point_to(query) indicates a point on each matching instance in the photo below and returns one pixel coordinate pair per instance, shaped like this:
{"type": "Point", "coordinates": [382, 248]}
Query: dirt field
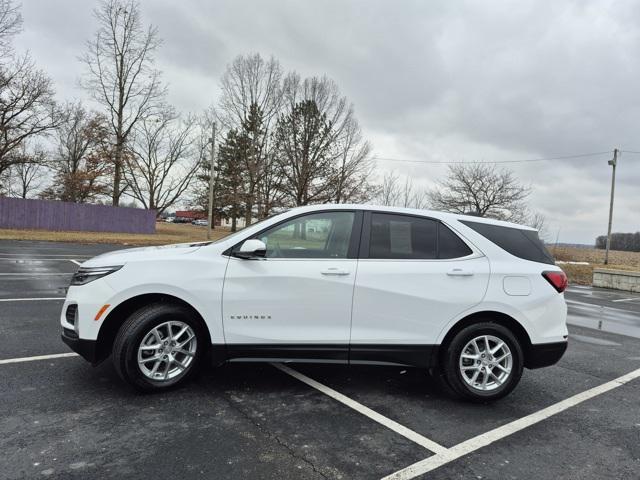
{"type": "Point", "coordinates": [583, 274]}
{"type": "Point", "coordinates": [165, 233]}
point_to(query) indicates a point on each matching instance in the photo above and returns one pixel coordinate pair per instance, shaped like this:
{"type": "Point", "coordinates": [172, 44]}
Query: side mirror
{"type": "Point", "coordinates": [252, 249]}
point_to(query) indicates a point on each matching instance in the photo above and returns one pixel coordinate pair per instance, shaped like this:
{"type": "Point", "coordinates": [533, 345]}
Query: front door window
{"type": "Point", "coordinates": [319, 235]}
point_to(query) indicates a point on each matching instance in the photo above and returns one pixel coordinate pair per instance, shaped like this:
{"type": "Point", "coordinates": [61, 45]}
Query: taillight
{"type": "Point", "coordinates": [558, 280]}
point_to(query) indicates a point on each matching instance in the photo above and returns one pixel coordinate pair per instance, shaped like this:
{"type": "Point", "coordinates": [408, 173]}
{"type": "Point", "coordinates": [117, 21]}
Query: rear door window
{"type": "Point", "coordinates": [521, 243]}
{"type": "Point", "coordinates": [413, 238]}
{"type": "Point", "coordinates": [450, 245]}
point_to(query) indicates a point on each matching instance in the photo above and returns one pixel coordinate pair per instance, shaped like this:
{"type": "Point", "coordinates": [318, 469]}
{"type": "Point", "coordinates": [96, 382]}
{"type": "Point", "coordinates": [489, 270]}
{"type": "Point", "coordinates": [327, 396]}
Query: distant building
{"type": "Point", "coordinates": [191, 214]}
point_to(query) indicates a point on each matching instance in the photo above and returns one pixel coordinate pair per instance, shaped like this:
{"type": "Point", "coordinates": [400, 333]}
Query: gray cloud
{"type": "Point", "coordinates": [430, 80]}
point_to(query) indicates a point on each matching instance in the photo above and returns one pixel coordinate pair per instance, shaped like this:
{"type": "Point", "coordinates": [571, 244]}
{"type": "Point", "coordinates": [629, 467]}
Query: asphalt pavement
{"type": "Point", "coordinates": [62, 418]}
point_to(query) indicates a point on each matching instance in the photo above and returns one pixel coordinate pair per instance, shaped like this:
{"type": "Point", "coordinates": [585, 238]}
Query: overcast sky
{"type": "Point", "coordinates": [430, 81]}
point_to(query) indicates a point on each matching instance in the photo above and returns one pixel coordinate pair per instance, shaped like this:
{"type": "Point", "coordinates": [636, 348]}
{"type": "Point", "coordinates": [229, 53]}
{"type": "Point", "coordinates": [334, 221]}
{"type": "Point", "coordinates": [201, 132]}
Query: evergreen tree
{"type": "Point", "coordinates": [231, 176]}
{"type": "Point", "coordinates": [303, 138]}
{"type": "Point", "coordinates": [253, 161]}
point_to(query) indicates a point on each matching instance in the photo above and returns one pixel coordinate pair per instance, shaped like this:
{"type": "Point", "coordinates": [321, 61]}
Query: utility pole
{"type": "Point", "coordinates": [211, 174]}
{"type": "Point", "coordinates": [613, 164]}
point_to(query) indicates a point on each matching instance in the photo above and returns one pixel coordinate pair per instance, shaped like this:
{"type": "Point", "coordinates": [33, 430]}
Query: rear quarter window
{"type": "Point", "coordinates": [521, 243]}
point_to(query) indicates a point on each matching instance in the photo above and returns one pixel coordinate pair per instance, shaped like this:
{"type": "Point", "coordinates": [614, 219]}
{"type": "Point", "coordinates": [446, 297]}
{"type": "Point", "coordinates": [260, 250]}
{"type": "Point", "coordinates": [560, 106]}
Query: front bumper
{"type": "Point", "coordinates": [545, 354]}
{"type": "Point", "coordinates": [86, 348]}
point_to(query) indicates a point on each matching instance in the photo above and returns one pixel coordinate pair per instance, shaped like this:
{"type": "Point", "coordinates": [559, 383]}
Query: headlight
{"type": "Point", "coordinates": [85, 275]}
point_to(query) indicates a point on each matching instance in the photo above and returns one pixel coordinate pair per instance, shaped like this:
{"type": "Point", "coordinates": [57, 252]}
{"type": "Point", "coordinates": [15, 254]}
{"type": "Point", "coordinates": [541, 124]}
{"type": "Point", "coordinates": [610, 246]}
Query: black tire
{"type": "Point", "coordinates": [132, 333]}
{"type": "Point", "coordinates": [451, 362]}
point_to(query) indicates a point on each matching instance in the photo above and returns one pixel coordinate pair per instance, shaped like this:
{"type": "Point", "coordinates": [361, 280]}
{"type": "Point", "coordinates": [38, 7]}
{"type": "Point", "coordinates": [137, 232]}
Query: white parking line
{"type": "Point", "coordinates": [634, 299]}
{"type": "Point", "coordinates": [366, 411]}
{"type": "Point", "coordinates": [39, 357]}
{"type": "Point", "coordinates": [75, 261]}
{"type": "Point", "coordinates": [35, 260]}
{"type": "Point", "coordinates": [36, 255]}
{"type": "Point", "coordinates": [475, 443]}
{"type": "Point", "coordinates": [23, 274]}
{"type": "Point", "coordinates": [40, 299]}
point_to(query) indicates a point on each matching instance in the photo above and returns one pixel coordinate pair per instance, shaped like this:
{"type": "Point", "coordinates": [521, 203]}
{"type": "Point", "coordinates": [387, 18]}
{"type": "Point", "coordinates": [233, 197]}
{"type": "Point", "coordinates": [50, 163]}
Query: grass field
{"type": "Point", "coordinates": [583, 274]}
{"type": "Point", "coordinates": [165, 233]}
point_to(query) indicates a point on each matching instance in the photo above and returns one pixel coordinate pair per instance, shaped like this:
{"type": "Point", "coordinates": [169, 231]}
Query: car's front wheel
{"type": "Point", "coordinates": [159, 347]}
{"type": "Point", "coordinates": [483, 362]}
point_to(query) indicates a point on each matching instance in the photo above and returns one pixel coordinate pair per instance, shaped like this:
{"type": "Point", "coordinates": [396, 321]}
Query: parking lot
{"type": "Point", "coordinates": [62, 418]}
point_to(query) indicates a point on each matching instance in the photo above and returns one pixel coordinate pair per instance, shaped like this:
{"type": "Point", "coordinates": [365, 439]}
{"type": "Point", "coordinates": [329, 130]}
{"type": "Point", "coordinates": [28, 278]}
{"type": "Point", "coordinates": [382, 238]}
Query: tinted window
{"type": "Point", "coordinates": [319, 235]}
{"type": "Point", "coordinates": [450, 245]}
{"type": "Point", "coordinates": [524, 244]}
{"type": "Point", "coordinates": [400, 237]}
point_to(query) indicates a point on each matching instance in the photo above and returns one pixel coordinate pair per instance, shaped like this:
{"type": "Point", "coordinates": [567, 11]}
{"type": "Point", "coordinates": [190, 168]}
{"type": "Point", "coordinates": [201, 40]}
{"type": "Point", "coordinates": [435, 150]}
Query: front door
{"type": "Point", "coordinates": [296, 302]}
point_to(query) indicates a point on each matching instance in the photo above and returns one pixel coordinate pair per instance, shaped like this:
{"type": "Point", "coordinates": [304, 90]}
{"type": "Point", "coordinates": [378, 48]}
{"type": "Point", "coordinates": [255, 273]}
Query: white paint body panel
{"type": "Point", "coordinates": [294, 300]}
{"type": "Point", "coordinates": [410, 301]}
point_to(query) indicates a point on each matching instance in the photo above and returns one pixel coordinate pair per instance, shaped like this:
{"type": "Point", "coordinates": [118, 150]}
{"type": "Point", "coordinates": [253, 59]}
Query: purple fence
{"type": "Point", "coordinates": [52, 215]}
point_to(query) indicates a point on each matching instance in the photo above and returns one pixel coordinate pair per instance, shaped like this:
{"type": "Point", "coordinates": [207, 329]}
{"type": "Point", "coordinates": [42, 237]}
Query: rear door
{"type": "Point", "coordinates": [414, 275]}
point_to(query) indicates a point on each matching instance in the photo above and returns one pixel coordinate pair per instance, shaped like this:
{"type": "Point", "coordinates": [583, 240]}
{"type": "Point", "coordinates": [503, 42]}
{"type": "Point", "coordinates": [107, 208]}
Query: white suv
{"type": "Point", "coordinates": [471, 298]}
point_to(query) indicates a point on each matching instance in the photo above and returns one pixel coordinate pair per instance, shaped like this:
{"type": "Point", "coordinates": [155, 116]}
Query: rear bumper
{"type": "Point", "coordinates": [545, 354]}
{"type": "Point", "coordinates": [85, 348]}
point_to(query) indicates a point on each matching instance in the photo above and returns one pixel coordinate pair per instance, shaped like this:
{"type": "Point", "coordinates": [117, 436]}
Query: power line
{"type": "Point", "coordinates": [447, 162]}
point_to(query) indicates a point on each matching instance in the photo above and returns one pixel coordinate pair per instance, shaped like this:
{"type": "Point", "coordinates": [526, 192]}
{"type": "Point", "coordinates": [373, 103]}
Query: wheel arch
{"type": "Point", "coordinates": [499, 318]}
{"type": "Point", "coordinates": [118, 315]}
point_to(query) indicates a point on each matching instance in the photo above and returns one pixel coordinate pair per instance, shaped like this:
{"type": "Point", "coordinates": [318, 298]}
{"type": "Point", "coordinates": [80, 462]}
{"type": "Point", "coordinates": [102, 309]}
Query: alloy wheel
{"type": "Point", "coordinates": [167, 351]}
{"type": "Point", "coordinates": [485, 363]}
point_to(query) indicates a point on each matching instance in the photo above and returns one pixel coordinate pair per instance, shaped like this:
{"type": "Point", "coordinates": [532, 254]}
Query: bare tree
{"type": "Point", "coordinates": [482, 190]}
{"type": "Point", "coordinates": [320, 149]}
{"type": "Point", "coordinates": [250, 81]}
{"type": "Point", "coordinates": [251, 100]}
{"type": "Point", "coordinates": [389, 192]}
{"type": "Point", "coordinates": [407, 193]}
{"type": "Point", "coordinates": [394, 192]}
{"type": "Point", "coordinates": [27, 175]}
{"type": "Point", "coordinates": [27, 107]}
{"type": "Point", "coordinates": [121, 75]}
{"type": "Point", "coordinates": [412, 196]}
{"type": "Point", "coordinates": [10, 25]}
{"type": "Point", "coordinates": [82, 161]}
{"type": "Point", "coordinates": [538, 221]}
{"type": "Point", "coordinates": [354, 166]}
{"type": "Point", "coordinates": [163, 161]}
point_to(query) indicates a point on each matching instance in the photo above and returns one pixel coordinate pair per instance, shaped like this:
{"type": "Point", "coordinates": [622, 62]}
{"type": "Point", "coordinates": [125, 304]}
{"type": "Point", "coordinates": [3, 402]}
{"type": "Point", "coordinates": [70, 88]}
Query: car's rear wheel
{"type": "Point", "coordinates": [159, 346]}
{"type": "Point", "coordinates": [483, 362]}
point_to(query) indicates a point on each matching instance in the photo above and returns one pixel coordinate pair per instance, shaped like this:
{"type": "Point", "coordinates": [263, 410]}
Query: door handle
{"type": "Point", "coordinates": [459, 272]}
{"type": "Point", "coordinates": [334, 271]}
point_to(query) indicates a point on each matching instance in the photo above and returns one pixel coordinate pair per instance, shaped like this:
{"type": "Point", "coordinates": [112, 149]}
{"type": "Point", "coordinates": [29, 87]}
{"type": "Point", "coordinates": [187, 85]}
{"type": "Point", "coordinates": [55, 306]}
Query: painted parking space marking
{"type": "Point", "coordinates": [634, 299]}
{"type": "Point", "coordinates": [75, 261]}
{"type": "Point", "coordinates": [36, 255]}
{"type": "Point", "coordinates": [28, 274]}
{"type": "Point", "coordinates": [34, 299]}
{"type": "Point", "coordinates": [36, 358]}
{"type": "Point", "coordinates": [482, 440]}
{"type": "Point", "coordinates": [366, 411]}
